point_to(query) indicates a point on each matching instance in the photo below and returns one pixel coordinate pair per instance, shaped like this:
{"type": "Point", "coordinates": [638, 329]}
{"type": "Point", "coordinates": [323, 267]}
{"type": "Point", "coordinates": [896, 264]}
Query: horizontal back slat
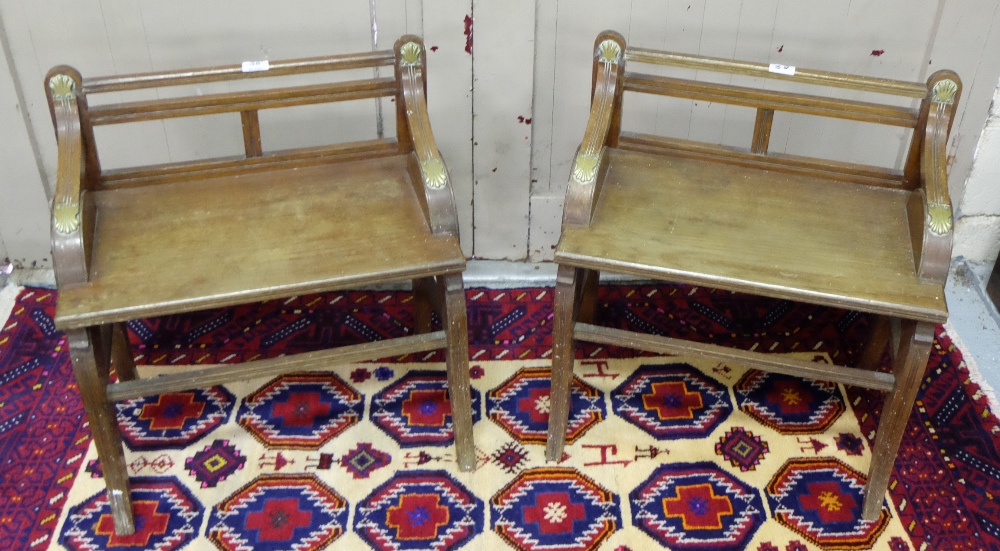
{"type": "Point", "coordinates": [808, 76]}
{"type": "Point", "coordinates": [229, 166]}
{"type": "Point", "coordinates": [241, 101]}
{"type": "Point", "coordinates": [806, 166]}
{"type": "Point", "coordinates": [139, 81]}
{"type": "Point", "coordinates": [771, 99]}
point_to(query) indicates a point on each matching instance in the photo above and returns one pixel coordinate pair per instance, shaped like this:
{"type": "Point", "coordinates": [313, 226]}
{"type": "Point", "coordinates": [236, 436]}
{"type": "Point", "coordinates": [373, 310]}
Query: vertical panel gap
{"type": "Point", "coordinates": [379, 127]}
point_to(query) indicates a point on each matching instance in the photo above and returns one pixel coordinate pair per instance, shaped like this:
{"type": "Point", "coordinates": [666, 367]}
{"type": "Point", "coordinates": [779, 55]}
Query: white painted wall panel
{"type": "Point", "coordinates": [531, 60]}
{"type": "Point", "coordinates": [24, 208]}
{"type": "Point", "coordinates": [502, 56]}
{"type": "Point", "coordinates": [449, 100]}
{"type": "Point", "coordinates": [967, 40]}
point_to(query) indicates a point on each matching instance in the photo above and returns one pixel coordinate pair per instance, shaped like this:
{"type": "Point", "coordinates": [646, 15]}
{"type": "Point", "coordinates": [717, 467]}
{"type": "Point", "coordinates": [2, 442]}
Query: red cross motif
{"type": "Point", "coordinates": [698, 507]}
{"type": "Point", "coordinates": [829, 502]}
{"type": "Point", "coordinates": [278, 520]}
{"type": "Point", "coordinates": [791, 397]}
{"type": "Point", "coordinates": [672, 400]}
{"type": "Point", "coordinates": [148, 523]}
{"type": "Point", "coordinates": [427, 408]}
{"type": "Point", "coordinates": [171, 411]}
{"type": "Point", "coordinates": [417, 516]}
{"type": "Point", "coordinates": [301, 409]}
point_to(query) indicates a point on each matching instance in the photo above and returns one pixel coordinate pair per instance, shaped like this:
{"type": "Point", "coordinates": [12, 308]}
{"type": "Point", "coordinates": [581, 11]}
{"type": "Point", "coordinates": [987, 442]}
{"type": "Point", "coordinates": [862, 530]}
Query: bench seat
{"type": "Point", "coordinates": [272, 234]}
{"type": "Point", "coordinates": [744, 229]}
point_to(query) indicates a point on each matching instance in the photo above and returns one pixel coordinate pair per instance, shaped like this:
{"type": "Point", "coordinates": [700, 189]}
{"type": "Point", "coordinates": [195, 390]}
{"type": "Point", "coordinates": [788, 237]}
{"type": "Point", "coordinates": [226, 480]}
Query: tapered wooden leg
{"type": "Point", "coordinates": [121, 353]}
{"type": "Point", "coordinates": [567, 280]}
{"type": "Point", "coordinates": [588, 295]}
{"type": "Point", "coordinates": [423, 297]}
{"type": "Point", "coordinates": [878, 339]}
{"type": "Point", "coordinates": [459, 385]}
{"type": "Point", "coordinates": [90, 365]}
{"type": "Point", "coordinates": [909, 368]}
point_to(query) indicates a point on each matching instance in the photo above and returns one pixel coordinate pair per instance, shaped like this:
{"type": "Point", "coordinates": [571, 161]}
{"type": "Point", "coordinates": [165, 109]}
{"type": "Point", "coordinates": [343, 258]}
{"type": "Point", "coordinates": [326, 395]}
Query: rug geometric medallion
{"type": "Point", "coordinates": [662, 452]}
{"type": "Point", "coordinates": [666, 468]}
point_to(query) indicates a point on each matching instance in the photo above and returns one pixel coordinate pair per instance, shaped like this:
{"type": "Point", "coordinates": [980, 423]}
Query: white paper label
{"type": "Point", "coordinates": [255, 66]}
{"type": "Point", "coordinates": [782, 69]}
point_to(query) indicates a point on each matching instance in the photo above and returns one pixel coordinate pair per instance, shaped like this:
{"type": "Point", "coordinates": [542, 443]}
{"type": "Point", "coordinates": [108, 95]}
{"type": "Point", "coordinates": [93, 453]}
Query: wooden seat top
{"type": "Point", "coordinates": [274, 234]}
{"type": "Point", "coordinates": [752, 230]}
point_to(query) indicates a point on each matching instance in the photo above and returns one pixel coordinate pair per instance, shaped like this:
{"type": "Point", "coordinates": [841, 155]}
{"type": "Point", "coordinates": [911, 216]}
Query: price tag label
{"type": "Point", "coordinates": [255, 66]}
{"type": "Point", "coordinates": [782, 69]}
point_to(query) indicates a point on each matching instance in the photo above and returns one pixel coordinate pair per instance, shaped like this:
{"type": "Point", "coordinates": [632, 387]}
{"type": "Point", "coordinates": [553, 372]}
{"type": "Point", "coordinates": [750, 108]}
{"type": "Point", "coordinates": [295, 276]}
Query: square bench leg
{"type": "Point", "coordinates": [589, 283]}
{"type": "Point", "coordinates": [423, 298]}
{"type": "Point", "coordinates": [455, 325]}
{"type": "Point", "coordinates": [567, 300]}
{"type": "Point", "coordinates": [909, 368]}
{"type": "Point", "coordinates": [878, 338]}
{"type": "Point", "coordinates": [91, 367]}
{"type": "Point", "coordinates": [121, 353]}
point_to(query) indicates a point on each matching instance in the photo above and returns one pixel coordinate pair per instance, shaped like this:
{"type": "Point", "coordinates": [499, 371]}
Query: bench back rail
{"type": "Point", "coordinates": [246, 103]}
{"type": "Point", "coordinates": [80, 171]}
{"type": "Point", "coordinates": [616, 69]}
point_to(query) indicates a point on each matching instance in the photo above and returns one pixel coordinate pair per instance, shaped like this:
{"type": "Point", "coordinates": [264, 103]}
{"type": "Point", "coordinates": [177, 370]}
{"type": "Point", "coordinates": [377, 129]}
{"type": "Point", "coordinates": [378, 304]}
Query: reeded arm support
{"type": "Point", "coordinates": [440, 199]}
{"type": "Point", "coordinates": [930, 207]}
{"type": "Point", "coordinates": [582, 191]}
{"type": "Point", "coordinates": [68, 213]}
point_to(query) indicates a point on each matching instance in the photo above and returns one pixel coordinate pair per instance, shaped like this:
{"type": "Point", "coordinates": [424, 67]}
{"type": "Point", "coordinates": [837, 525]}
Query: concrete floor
{"type": "Point", "coordinates": [974, 323]}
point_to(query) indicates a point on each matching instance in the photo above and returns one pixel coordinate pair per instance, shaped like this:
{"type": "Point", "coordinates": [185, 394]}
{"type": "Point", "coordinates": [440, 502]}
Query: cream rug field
{"type": "Point", "coordinates": [665, 452]}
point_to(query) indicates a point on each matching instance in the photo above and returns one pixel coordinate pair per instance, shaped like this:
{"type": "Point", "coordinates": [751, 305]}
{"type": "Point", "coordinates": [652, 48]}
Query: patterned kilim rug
{"type": "Point", "coordinates": [666, 452]}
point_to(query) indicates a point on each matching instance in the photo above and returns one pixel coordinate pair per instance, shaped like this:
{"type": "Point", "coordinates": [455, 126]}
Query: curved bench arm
{"type": "Point", "coordinates": [582, 191]}
{"type": "Point", "coordinates": [68, 213]}
{"type": "Point", "coordinates": [440, 198]}
{"type": "Point", "coordinates": [933, 247]}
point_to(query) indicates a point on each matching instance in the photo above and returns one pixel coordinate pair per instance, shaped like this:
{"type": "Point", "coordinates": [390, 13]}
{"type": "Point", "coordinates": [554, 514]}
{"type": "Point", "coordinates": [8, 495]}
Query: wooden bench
{"type": "Point", "coordinates": [171, 238]}
{"type": "Point", "coordinates": [838, 234]}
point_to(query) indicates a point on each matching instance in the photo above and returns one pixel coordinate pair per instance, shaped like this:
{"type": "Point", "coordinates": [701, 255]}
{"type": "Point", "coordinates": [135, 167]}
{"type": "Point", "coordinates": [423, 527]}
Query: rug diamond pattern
{"type": "Point", "coordinates": [616, 486]}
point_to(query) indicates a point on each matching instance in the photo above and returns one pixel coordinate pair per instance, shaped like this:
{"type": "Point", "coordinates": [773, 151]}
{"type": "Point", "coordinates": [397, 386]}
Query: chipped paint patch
{"type": "Point", "coordinates": [468, 34]}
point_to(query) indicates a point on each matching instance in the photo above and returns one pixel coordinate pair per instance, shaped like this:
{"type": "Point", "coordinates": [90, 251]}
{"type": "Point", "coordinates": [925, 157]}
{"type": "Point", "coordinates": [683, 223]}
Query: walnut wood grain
{"type": "Point", "coordinates": [756, 231]}
{"type": "Point", "coordinates": [252, 219]}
